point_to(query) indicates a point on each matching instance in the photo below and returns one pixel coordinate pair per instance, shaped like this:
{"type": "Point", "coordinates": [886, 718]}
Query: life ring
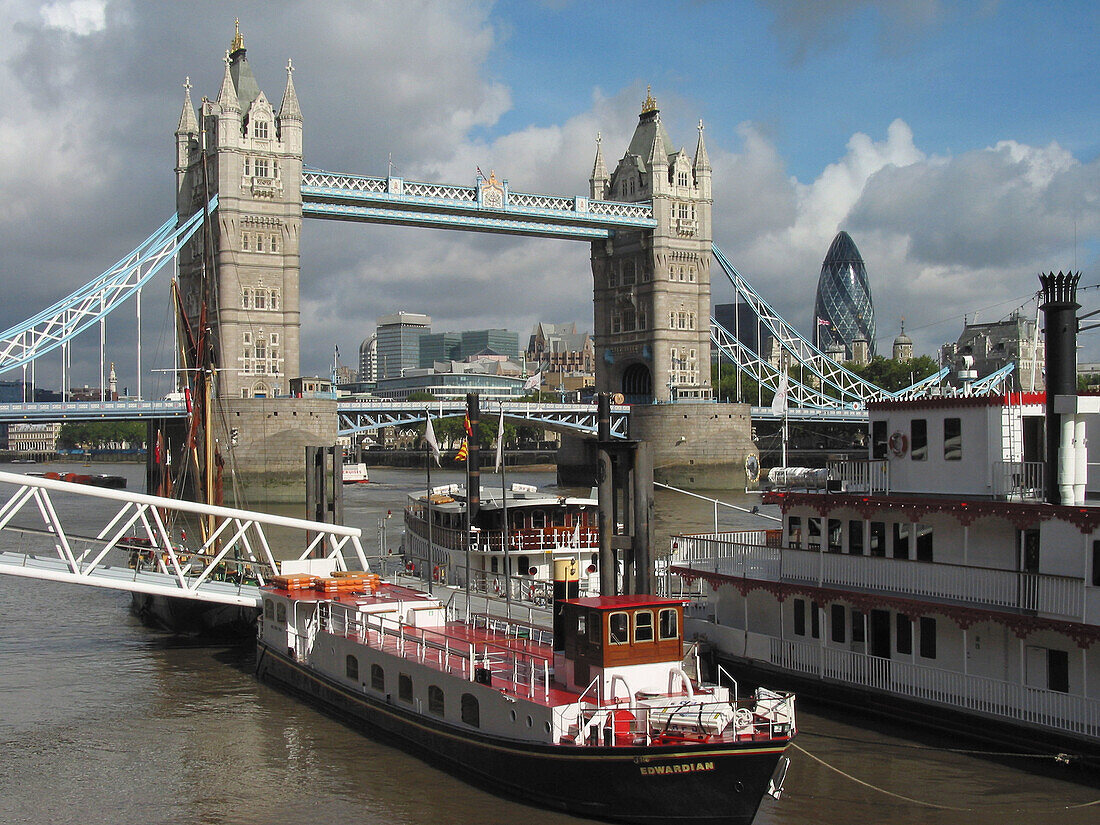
{"type": "Point", "coordinates": [899, 443]}
{"type": "Point", "coordinates": [752, 468]}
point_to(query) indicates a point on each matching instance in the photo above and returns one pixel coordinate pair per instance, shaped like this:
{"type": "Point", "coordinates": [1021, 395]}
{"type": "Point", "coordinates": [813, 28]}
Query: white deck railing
{"type": "Point", "coordinates": [1051, 709]}
{"type": "Point", "coordinates": [1019, 480]}
{"type": "Point", "coordinates": [870, 476]}
{"type": "Point", "coordinates": [993, 588]}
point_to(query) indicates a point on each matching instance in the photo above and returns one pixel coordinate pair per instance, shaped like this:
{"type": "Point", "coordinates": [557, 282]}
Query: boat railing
{"type": "Point", "coordinates": [513, 663]}
{"type": "Point", "coordinates": [868, 476]}
{"type": "Point", "coordinates": [520, 540]}
{"type": "Point", "coordinates": [705, 716]}
{"type": "Point", "coordinates": [1019, 480]}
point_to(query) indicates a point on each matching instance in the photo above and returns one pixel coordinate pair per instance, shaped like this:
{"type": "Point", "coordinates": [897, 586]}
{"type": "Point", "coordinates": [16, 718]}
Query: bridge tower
{"type": "Point", "coordinates": [254, 165]}
{"type": "Point", "coordinates": [651, 289]}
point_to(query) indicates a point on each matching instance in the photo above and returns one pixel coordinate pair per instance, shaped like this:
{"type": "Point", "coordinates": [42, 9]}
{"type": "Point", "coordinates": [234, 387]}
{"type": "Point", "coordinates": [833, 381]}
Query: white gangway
{"type": "Point", "coordinates": [138, 524]}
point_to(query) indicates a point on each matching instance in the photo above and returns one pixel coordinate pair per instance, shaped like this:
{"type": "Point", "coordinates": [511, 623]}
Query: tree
{"type": "Point", "coordinates": [95, 435]}
{"type": "Point", "coordinates": [895, 375]}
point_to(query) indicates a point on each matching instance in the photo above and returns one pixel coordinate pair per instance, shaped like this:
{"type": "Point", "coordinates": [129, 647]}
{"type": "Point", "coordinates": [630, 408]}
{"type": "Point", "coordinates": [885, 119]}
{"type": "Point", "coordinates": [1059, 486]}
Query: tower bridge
{"type": "Point", "coordinates": [648, 220]}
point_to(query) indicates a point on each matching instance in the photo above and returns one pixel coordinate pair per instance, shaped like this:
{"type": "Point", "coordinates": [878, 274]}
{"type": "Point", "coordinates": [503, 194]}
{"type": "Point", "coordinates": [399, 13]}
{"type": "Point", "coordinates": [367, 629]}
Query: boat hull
{"type": "Point", "coordinates": [187, 617]}
{"type": "Point", "coordinates": [702, 784]}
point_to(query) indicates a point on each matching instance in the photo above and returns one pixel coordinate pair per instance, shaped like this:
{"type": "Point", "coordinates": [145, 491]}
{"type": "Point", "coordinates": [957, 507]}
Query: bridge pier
{"type": "Point", "coordinates": [694, 446]}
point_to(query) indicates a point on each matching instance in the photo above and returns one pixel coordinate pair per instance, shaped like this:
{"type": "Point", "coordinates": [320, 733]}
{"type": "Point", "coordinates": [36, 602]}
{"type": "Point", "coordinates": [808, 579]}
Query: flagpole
{"type": "Point", "coordinates": [504, 506]}
{"type": "Point", "coordinates": [430, 572]}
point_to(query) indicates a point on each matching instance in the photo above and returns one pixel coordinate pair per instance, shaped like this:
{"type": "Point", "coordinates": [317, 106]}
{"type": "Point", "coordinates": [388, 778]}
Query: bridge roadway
{"type": "Point", "coordinates": [362, 415]}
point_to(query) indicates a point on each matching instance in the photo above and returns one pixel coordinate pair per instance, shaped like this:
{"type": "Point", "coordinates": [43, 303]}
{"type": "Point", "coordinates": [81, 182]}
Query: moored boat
{"type": "Point", "coordinates": [355, 473]}
{"type": "Point", "coordinates": [603, 723]}
{"type": "Point", "coordinates": [516, 537]}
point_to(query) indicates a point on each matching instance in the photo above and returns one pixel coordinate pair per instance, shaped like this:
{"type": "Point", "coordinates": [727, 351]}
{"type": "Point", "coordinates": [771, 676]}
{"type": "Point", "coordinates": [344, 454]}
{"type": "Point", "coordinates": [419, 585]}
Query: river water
{"type": "Point", "coordinates": [103, 720]}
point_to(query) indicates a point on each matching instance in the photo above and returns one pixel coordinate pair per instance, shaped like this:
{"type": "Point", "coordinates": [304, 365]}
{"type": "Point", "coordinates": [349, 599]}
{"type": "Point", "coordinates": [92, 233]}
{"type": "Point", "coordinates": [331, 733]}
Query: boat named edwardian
{"type": "Point", "coordinates": [604, 722]}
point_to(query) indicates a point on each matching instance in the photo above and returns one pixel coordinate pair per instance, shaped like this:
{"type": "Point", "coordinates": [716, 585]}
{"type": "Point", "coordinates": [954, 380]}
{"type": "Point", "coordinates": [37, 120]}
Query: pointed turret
{"type": "Point", "coordinates": [600, 180]}
{"type": "Point", "coordinates": [227, 95]}
{"type": "Point", "coordinates": [701, 166]}
{"type": "Point", "coordinates": [289, 110]}
{"type": "Point", "coordinates": [189, 124]}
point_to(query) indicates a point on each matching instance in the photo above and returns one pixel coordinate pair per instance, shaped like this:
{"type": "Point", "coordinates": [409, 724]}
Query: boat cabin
{"type": "Point", "coordinates": [630, 640]}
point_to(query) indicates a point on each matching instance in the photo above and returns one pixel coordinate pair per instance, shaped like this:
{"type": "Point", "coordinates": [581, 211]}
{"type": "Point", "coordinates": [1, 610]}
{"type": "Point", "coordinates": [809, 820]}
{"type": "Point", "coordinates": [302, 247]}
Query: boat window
{"type": "Point", "coordinates": [522, 563]}
{"type": "Point", "coordinates": [835, 536]}
{"type": "Point", "coordinates": [839, 614]}
{"type": "Point", "coordinates": [878, 439]}
{"type": "Point", "coordinates": [538, 519]}
{"type": "Point", "coordinates": [377, 677]}
{"type": "Point", "coordinates": [905, 635]}
{"type": "Point", "coordinates": [901, 540]}
{"type": "Point", "coordinates": [643, 626]}
{"type": "Point", "coordinates": [952, 439]}
{"type": "Point", "coordinates": [799, 617]}
{"type": "Point", "coordinates": [594, 631]}
{"type": "Point", "coordinates": [815, 620]}
{"type": "Point", "coordinates": [435, 700]}
{"type": "Point", "coordinates": [857, 626]}
{"type": "Point", "coordinates": [669, 626]}
{"type": "Point", "coordinates": [351, 667]}
{"type": "Point", "coordinates": [855, 537]}
{"type": "Point", "coordinates": [878, 538]}
{"type": "Point", "coordinates": [813, 530]}
{"type": "Point", "coordinates": [927, 637]}
{"type": "Point", "coordinates": [794, 531]}
{"type": "Point", "coordinates": [924, 542]}
{"type": "Point", "coordinates": [471, 713]}
{"type": "Point", "coordinates": [559, 518]}
{"type": "Point", "coordinates": [582, 621]}
{"type": "Point", "coordinates": [517, 521]}
{"type": "Point", "coordinates": [619, 627]}
{"type": "Point", "coordinates": [280, 613]}
{"type": "Point", "coordinates": [918, 441]}
{"type": "Point", "coordinates": [1096, 564]}
{"type": "Point", "coordinates": [404, 687]}
{"type": "Point", "coordinates": [269, 609]}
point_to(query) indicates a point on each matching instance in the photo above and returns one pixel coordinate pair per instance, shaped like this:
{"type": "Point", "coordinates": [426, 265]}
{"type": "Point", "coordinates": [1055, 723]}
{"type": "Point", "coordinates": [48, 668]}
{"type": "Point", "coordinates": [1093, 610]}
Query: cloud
{"type": "Point", "coordinates": [79, 17]}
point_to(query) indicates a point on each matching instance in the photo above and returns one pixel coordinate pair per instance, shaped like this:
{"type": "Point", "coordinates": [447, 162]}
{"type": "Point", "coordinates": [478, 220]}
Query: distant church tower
{"type": "Point", "coordinates": [254, 165]}
{"type": "Point", "coordinates": [652, 290]}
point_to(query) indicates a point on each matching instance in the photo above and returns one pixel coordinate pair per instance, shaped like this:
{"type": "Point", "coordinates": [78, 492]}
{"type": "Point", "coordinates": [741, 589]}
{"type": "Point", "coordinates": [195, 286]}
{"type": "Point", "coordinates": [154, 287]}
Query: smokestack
{"type": "Point", "coordinates": [1060, 335]}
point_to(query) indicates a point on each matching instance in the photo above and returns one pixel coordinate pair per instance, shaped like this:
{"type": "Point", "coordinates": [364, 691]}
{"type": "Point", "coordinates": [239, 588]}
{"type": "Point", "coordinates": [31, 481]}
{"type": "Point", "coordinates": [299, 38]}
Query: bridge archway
{"type": "Point", "coordinates": [638, 384]}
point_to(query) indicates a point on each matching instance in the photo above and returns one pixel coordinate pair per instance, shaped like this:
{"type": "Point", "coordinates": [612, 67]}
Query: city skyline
{"type": "Point", "coordinates": [953, 141]}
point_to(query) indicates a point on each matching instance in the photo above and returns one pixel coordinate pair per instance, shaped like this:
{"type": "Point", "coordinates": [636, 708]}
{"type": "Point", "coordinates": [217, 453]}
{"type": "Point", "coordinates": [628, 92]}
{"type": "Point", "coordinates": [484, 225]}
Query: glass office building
{"type": "Point", "coordinates": [843, 310]}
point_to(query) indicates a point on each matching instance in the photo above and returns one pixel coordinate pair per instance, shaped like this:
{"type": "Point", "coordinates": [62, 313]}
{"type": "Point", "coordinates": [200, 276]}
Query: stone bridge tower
{"type": "Point", "coordinates": [652, 289]}
{"type": "Point", "coordinates": [255, 167]}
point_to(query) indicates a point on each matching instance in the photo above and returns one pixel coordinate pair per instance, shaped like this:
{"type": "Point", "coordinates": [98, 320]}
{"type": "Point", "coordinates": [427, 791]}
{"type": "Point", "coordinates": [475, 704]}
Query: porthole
{"type": "Point", "coordinates": [530, 721]}
{"type": "Point", "coordinates": [512, 713]}
{"type": "Point", "coordinates": [546, 727]}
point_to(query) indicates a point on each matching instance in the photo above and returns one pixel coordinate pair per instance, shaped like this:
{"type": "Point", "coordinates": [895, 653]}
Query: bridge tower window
{"type": "Point", "coordinates": [260, 129]}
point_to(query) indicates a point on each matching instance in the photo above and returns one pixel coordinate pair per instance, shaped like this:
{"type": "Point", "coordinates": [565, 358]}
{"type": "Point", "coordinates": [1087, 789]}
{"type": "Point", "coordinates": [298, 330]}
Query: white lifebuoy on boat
{"type": "Point", "coordinates": [899, 443]}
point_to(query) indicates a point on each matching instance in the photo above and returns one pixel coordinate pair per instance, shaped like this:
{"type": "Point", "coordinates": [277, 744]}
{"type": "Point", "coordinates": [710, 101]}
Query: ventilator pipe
{"type": "Point", "coordinates": [1081, 454]}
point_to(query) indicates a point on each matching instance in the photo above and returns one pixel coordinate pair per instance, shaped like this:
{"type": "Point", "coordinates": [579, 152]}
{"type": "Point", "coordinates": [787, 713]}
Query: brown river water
{"type": "Point", "coordinates": [103, 720]}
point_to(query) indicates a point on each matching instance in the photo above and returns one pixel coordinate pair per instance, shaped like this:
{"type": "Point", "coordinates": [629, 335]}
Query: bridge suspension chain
{"type": "Point", "coordinates": [59, 323]}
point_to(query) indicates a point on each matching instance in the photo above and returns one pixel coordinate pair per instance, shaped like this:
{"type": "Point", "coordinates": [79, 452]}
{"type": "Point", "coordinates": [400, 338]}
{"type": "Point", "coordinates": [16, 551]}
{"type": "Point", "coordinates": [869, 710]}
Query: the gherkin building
{"type": "Point", "coordinates": [843, 309]}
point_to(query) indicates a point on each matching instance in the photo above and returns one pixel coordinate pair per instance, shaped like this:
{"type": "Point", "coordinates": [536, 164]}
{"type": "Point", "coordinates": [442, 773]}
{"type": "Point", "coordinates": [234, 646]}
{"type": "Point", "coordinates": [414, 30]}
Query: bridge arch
{"type": "Point", "coordinates": [637, 384]}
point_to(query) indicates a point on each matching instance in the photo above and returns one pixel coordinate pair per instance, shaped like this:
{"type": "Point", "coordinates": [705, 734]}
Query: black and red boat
{"type": "Point", "coordinates": [601, 721]}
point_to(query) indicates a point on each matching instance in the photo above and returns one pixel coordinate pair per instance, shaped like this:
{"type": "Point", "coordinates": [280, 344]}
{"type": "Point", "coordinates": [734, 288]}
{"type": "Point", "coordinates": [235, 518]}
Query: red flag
{"type": "Point", "coordinates": [469, 429]}
{"type": "Point", "coordinates": [462, 452]}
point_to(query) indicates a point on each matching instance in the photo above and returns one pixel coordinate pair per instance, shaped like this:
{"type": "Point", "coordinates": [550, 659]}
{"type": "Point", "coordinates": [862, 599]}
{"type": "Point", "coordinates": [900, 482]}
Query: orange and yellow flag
{"type": "Point", "coordinates": [466, 425]}
{"type": "Point", "coordinates": [462, 452]}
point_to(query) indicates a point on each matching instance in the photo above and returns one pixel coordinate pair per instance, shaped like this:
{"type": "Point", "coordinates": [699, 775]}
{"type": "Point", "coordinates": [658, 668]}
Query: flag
{"type": "Point", "coordinates": [577, 535]}
{"type": "Point", "coordinates": [466, 426]}
{"type": "Point", "coordinates": [462, 452]}
{"type": "Point", "coordinates": [534, 382]}
{"type": "Point", "coordinates": [429, 436]}
{"type": "Point", "coordinates": [500, 441]}
{"type": "Point", "coordinates": [822, 322]}
{"type": "Point", "coordinates": [480, 174]}
{"type": "Point", "coordinates": [779, 403]}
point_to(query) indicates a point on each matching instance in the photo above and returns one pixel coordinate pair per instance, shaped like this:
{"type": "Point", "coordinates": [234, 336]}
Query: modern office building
{"type": "Point", "coordinates": [439, 346]}
{"type": "Point", "coordinates": [368, 359]}
{"type": "Point", "coordinates": [398, 345]}
{"type": "Point", "coordinates": [843, 309]}
{"type": "Point", "coordinates": [500, 341]}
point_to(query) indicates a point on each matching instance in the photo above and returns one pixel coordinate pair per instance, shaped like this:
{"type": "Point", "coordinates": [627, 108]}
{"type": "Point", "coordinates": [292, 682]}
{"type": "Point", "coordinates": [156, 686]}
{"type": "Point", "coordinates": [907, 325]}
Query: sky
{"type": "Point", "coordinates": [958, 143]}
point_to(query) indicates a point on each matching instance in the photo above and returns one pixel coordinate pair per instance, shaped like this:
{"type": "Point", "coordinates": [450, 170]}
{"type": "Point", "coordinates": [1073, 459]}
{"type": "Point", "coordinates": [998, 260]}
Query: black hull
{"type": "Point", "coordinates": [188, 617]}
{"type": "Point", "coordinates": [702, 784]}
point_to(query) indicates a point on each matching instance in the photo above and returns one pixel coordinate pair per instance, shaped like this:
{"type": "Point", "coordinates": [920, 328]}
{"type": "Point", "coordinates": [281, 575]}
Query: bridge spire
{"type": "Point", "coordinates": [227, 96]}
{"type": "Point", "coordinates": [600, 179]}
{"type": "Point", "coordinates": [290, 110]}
{"type": "Point", "coordinates": [189, 124]}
